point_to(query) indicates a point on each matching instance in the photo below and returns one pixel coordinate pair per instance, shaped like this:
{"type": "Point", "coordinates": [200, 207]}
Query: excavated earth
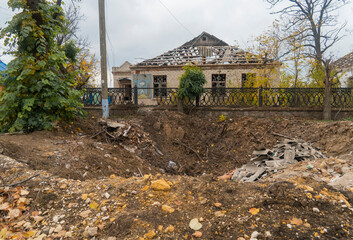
{"type": "Point", "coordinates": [150, 178]}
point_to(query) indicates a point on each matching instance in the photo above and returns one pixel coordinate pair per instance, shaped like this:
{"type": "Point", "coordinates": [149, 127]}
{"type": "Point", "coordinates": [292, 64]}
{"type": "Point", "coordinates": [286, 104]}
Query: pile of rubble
{"type": "Point", "coordinates": [130, 135]}
{"type": "Point", "coordinates": [266, 161]}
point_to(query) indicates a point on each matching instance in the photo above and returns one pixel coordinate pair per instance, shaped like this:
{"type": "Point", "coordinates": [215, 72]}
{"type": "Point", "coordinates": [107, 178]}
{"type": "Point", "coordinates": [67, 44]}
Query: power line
{"type": "Point", "coordinates": [170, 12]}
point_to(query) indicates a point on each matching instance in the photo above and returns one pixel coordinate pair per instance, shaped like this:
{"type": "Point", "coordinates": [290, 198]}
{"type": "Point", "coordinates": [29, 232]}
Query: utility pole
{"type": "Point", "coordinates": [103, 51]}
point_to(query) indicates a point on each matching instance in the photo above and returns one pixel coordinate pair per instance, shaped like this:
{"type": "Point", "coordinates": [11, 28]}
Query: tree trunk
{"type": "Point", "coordinates": [327, 113]}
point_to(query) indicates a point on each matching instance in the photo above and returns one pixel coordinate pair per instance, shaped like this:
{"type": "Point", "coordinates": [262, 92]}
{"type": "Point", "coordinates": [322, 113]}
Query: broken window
{"type": "Point", "coordinates": [160, 86]}
{"type": "Point", "coordinates": [219, 83]}
{"type": "Point", "coordinates": [248, 79]}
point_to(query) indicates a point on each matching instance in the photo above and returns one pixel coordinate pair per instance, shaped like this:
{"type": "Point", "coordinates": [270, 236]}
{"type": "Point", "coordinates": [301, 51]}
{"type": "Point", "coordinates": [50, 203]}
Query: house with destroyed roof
{"type": "Point", "coordinates": [345, 64]}
{"type": "Point", "coordinates": [224, 66]}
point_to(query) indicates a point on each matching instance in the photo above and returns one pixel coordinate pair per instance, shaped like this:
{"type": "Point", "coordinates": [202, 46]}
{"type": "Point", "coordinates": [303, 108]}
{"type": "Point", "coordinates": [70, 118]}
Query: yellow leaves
{"type": "Point", "coordinates": [222, 118]}
{"type": "Point", "coordinates": [254, 211]}
{"type": "Point", "coordinates": [24, 192]}
{"type": "Point", "coordinates": [94, 205]}
{"type": "Point", "coordinates": [30, 234]}
{"type": "Point", "coordinates": [4, 206]}
{"type": "Point", "coordinates": [296, 221]}
{"type": "Point", "coordinates": [3, 233]}
{"type": "Point", "coordinates": [14, 213]}
{"type": "Point", "coordinates": [84, 196]}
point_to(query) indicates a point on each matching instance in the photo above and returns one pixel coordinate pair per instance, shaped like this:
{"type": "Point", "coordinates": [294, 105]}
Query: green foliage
{"type": "Point", "coordinates": [36, 92]}
{"type": "Point", "coordinates": [71, 51]}
{"type": "Point", "coordinates": [191, 83]}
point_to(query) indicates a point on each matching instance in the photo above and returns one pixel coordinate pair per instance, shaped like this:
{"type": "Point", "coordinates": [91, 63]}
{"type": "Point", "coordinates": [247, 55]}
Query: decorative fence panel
{"type": "Point", "coordinates": [116, 96]}
{"type": "Point", "coordinates": [226, 97]}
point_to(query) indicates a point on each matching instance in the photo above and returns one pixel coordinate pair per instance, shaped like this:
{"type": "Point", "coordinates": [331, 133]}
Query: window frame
{"type": "Point", "coordinates": [159, 85]}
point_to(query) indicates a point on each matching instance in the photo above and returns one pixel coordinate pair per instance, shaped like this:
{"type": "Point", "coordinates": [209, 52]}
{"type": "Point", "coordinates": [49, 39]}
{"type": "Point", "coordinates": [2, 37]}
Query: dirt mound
{"type": "Point", "coordinates": [168, 142]}
{"type": "Point", "coordinates": [72, 155]}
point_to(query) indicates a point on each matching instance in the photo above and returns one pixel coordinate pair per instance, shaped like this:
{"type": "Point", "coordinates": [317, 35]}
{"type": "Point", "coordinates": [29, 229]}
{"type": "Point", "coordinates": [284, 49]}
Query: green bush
{"type": "Point", "coordinates": [191, 83]}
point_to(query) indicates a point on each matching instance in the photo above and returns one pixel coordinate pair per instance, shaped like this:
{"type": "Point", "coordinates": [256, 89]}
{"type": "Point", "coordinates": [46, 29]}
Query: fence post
{"type": "Point", "coordinates": [160, 97]}
{"type": "Point", "coordinates": [136, 99]}
{"type": "Point", "coordinates": [197, 101]}
{"type": "Point", "coordinates": [260, 97]}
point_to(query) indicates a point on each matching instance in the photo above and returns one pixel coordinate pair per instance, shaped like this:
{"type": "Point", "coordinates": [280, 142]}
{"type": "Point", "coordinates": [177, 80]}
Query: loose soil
{"type": "Point", "coordinates": [89, 181]}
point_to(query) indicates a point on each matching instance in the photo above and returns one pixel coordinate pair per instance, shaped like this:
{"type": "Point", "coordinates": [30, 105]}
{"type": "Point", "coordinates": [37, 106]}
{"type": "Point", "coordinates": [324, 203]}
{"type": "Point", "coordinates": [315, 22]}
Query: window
{"type": "Point", "coordinates": [247, 79]}
{"type": "Point", "coordinates": [160, 86]}
{"type": "Point", "coordinates": [218, 80]}
{"type": "Point", "coordinates": [218, 83]}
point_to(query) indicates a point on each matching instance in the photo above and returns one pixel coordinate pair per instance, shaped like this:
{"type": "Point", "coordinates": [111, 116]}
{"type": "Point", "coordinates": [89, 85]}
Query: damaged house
{"type": "Point", "coordinates": [345, 65]}
{"type": "Point", "coordinates": [224, 66]}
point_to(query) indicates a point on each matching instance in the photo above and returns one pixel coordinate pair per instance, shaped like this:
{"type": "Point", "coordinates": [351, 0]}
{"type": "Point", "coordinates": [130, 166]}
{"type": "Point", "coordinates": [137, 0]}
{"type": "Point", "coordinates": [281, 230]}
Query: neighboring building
{"type": "Point", "coordinates": [122, 75]}
{"type": "Point", "coordinates": [224, 66]}
{"type": "Point", "coordinates": [345, 64]}
{"type": "Point", "coordinates": [3, 67]}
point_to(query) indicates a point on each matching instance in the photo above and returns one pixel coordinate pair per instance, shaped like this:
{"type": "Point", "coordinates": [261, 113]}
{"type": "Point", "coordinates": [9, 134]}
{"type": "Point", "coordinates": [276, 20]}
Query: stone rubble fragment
{"type": "Point", "coordinates": [195, 224]}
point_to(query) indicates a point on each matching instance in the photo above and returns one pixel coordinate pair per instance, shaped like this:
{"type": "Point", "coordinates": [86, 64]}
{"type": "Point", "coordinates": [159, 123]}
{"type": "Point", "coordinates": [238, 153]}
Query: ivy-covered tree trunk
{"type": "Point", "coordinates": [36, 92]}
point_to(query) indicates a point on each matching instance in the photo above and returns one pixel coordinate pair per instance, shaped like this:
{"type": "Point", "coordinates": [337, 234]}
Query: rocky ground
{"type": "Point", "coordinates": [161, 181]}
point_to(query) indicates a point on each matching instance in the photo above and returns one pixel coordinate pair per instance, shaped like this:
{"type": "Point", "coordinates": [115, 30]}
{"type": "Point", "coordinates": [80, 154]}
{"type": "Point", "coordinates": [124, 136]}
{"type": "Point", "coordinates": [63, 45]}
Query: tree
{"type": "Point", "coordinates": [191, 83]}
{"type": "Point", "coordinates": [36, 92]}
{"type": "Point", "coordinates": [81, 62]}
{"type": "Point", "coordinates": [266, 48]}
{"type": "Point", "coordinates": [84, 68]}
{"type": "Point", "coordinates": [315, 21]}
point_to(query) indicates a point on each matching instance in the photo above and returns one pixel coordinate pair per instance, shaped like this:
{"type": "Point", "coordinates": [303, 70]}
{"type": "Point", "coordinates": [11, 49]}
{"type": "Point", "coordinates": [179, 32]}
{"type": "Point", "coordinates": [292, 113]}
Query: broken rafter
{"type": "Point", "coordinates": [212, 54]}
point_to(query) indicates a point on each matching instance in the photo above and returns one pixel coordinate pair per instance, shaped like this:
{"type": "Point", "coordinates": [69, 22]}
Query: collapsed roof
{"type": "Point", "coordinates": [345, 62]}
{"type": "Point", "coordinates": [204, 49]}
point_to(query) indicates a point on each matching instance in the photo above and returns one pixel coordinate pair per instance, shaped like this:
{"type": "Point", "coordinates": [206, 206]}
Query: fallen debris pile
{"type": "Point", "coordinates": [122, 131]}
{"type": "Point", "coordinates": [131, 135]}
{"type": "Point", "coordinates": [289, 151]}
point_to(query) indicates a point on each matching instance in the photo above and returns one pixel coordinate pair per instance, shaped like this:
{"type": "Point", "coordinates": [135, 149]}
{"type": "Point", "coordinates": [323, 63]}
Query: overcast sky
{"type": "Point", "coordinates": [142, 29]}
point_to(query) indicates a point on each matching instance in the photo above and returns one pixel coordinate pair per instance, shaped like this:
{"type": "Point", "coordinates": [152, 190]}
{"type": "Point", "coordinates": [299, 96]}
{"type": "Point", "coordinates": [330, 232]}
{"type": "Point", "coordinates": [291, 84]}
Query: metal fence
{"type": "Point", "coordinates": [225, 97]}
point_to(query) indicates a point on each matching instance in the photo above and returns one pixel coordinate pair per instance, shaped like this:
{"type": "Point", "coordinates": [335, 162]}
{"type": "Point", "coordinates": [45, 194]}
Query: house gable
{"type": "Point", "coordinates": [345, 62]}
{"type": "Point", "coordinates": [125, 67]}
{"type": "Point", "coordinates": [205, 39]}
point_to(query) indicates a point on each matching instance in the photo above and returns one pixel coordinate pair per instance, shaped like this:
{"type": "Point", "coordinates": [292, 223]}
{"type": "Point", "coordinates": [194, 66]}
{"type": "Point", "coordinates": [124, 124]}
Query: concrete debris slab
{"type": "Point", "coordinates": [266, 161]}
